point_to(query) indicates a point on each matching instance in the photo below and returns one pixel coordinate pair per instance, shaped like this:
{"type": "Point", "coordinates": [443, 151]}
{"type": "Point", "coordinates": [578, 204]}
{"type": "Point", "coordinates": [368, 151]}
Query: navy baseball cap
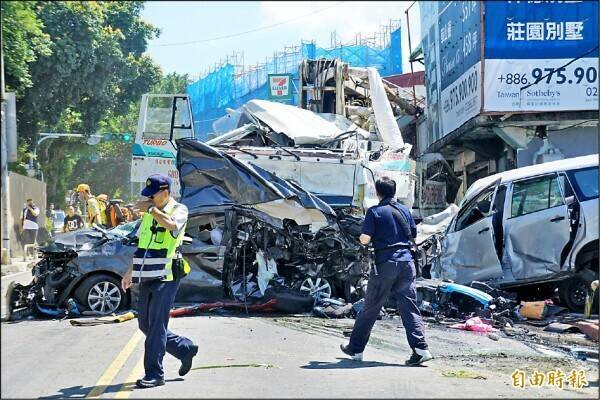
{"type": "Point", "coordinates": [156, 183]}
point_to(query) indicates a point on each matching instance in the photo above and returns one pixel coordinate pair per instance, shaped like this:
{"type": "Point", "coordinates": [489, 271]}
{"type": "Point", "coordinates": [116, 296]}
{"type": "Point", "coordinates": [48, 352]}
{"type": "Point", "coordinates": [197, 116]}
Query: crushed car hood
{"type": "Point", "coordinates": [86, 239]}
{"type": "Point", "coordinates": [77, 240]}
{"type": "Point", "coordinates": [212, 179]}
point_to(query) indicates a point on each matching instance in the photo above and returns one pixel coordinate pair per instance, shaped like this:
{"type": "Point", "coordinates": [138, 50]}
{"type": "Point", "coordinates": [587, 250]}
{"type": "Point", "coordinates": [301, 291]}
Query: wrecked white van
{"type": "Point", "coordinates": [535, 226]}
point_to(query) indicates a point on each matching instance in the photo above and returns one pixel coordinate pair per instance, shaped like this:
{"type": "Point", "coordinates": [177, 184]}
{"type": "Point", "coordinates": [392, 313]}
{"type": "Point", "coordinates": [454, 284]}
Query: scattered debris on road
{"type": "Point", "coordinates": [252, 365]}
{"type": "Point", "coordinates": [462, 374]}
{"type": "Point", "coordinates": [111, 319]}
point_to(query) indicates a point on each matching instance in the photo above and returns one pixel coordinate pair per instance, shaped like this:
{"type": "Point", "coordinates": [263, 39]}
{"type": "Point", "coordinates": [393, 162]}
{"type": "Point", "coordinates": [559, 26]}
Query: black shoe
{"type": "Point", "coordinates": [354, 356]}
{"type": "Point", "coordinates": [186, 363]}
{"type": "Point", "coordinates": [418, 359]}
{"type": "Point", "coordinates": [149, 383]}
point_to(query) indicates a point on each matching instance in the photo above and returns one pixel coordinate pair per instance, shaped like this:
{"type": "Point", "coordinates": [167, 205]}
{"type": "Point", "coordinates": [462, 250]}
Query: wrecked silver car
{"type": "Point", "coordinates": [533, 227]}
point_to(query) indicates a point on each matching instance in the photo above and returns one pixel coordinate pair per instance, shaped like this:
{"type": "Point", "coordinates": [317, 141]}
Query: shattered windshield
{"type": "Point", "coordinates": [125, 229]}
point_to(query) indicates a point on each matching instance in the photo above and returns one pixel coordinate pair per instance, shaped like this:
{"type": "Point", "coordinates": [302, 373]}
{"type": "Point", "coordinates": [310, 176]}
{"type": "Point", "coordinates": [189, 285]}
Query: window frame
{"type": "Point", "coordinates": [552, 175]}
{"type": "Point", "coordinates": [473, 201]}
{"type": "Point", "coordinates": [575, 184]}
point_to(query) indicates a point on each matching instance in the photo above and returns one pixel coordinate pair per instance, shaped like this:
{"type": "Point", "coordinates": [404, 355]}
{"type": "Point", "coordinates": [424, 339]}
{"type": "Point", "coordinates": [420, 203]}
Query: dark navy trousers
{"type": "Point", "coordinates": [154, 303]}
{"type": "Point", "coordinates": [397, 277]}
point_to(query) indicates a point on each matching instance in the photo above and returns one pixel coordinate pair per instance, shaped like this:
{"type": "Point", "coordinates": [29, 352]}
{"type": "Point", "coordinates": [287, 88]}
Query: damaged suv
{"type": "Point", "coordinates": [529, 228]}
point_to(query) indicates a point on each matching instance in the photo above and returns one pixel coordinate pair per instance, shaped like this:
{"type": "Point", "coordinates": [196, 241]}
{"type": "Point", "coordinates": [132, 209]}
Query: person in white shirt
{"type": "Point", "coordinates": [29, 222]}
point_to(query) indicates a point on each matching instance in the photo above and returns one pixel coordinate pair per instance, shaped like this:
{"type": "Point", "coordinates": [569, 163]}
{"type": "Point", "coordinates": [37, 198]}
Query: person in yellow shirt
{"type": "Point", "coordinates": [93, 208]}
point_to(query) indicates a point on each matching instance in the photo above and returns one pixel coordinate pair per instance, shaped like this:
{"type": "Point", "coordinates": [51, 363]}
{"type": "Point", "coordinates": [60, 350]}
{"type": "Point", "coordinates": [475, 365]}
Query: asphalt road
{"type": "Point", "coordinates": [299, 356]}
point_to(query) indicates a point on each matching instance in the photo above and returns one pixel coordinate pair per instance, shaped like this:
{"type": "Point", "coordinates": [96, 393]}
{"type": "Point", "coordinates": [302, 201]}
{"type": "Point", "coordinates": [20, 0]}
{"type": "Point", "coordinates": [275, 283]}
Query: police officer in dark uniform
{"type": "Point", "coordinates": [387, 225]}
{"type": "Point", "coordinates": [157, 268]}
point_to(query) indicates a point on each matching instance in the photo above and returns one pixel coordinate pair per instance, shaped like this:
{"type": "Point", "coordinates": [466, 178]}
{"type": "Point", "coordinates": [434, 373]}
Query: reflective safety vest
{"type": "Point", "coordinates": [156, 248]}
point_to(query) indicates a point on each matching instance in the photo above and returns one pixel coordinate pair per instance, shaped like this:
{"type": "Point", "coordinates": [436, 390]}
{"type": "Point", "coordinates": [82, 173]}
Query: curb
{"type": "Point", "coordinates": [17, 267]}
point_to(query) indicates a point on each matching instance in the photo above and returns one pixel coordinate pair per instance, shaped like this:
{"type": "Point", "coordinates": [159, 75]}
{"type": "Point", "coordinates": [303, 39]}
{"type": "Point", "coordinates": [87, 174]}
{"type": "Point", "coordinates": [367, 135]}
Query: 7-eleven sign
{"type": "Point", "coordinates": [279, 86]}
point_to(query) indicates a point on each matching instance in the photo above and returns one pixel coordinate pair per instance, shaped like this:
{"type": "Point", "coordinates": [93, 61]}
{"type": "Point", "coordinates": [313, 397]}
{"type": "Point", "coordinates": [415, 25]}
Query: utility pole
{"type": "Point", "coordinates": [6, 220]}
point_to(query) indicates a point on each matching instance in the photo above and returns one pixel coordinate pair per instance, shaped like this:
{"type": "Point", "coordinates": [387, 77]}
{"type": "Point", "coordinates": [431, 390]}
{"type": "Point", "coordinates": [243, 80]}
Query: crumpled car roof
{"type": "Point", "coordinates": [302, 126]}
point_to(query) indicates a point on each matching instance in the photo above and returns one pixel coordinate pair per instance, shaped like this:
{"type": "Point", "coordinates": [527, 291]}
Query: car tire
{"type": "Point", "coordinates": [572, 291]}
{"type": "Point", "coordinates": [101, 285]}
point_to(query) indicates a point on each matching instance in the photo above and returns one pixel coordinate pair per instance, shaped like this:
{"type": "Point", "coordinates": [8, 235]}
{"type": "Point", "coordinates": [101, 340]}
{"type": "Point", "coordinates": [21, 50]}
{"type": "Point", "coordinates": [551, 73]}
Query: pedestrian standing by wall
{"type": "Point", "coordinates": [29, 222]}
{"type": "Point", "coordinates": [72, 221]}
{"type": "Point", "coordinates": [158, 268]}
{"type": "Point", "coordinates": [390, 227]}
{"type": "Point", "coordinates": [93, 208]}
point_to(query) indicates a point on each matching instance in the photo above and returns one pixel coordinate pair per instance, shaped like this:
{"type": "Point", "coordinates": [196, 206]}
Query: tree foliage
{"type": "Point", "coordinates": [23, 41]}
{"type": "Point", "coordinates": [94, 67]}
{"type": "Point", "coordinates": [75, 66]}
{"type": "Point", "coordinates": [172, 83]}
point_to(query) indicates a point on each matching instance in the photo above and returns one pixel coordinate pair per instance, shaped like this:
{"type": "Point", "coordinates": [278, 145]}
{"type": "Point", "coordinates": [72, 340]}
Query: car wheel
{"type": "Point", "coordinates": [101, 293]}
{"type": "Point", "coordinates": [572, 291]}
{"type": "Point", "coordinates": [317, 287]}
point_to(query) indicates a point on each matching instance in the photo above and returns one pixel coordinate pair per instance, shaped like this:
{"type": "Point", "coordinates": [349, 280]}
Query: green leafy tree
{"type": "Point", "coordinates": [73, 65]}
{"type": "Point", "coordinates": [94, 67]}
{"type": "Point", "coordinates": [172, 83]}
{"type": "Point", "coordinates": [23, 42]}
{"type": "Point", "coordinates": [80, 67]}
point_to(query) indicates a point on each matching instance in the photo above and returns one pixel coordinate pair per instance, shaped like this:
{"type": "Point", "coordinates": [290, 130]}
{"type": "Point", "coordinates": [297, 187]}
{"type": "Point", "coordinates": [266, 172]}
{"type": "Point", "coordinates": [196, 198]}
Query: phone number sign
{"type": "Point", "coordinates": [541, 56]}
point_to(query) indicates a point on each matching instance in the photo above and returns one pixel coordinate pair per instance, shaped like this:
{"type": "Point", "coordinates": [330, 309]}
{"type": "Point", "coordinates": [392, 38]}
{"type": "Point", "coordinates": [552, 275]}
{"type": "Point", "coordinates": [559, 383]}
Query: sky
{"type": "Point", "coordinates": [195, 35]}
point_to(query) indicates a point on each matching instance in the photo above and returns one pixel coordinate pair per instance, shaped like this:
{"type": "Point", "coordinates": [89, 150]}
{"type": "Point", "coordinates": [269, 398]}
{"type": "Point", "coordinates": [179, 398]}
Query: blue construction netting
{"type": "Point", "coordinates": [223, 88]}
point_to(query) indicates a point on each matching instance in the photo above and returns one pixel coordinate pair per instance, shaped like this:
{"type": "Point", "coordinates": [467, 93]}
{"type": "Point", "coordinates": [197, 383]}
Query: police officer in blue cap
{"type": "Point", "coordinates": [157, 269]}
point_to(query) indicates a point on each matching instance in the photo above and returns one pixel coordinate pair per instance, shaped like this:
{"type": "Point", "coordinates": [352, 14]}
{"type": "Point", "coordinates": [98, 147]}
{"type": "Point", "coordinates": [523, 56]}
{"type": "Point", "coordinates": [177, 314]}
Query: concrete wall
{"type": "Point", "coordinates": [22, 188]}
{"type": "Point", "coordinates": [567, 143]}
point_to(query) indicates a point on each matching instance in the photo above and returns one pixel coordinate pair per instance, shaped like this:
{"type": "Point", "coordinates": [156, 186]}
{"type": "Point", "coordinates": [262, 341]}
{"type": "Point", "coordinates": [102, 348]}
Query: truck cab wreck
{"type": "Point", "coordinates": [342, 137]}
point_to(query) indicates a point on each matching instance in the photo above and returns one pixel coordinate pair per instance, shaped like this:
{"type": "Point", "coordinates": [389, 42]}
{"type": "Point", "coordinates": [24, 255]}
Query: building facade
{"type": "Point", "coordinates": [509, 84]}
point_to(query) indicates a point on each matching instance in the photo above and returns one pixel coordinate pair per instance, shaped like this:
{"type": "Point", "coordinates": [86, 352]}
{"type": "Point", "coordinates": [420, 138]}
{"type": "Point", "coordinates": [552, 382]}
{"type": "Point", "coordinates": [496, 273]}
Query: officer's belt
{"type": "Point", "coordinates": [394, 247]}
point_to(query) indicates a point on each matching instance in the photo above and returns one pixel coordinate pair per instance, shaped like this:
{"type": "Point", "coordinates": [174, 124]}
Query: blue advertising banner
{"type": "Point", "coordinates": [431, 52]}
{"type": "Point", "coordinates": [541, 55]}
{"type": "Point", "coordinates": [540, 29]}
{"type": "Point", "coordinates": [460, 46]}
{"type": "Point", "coordinates": [460, 62]}
{"type": "Point", "coordinates": [452, 34]}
